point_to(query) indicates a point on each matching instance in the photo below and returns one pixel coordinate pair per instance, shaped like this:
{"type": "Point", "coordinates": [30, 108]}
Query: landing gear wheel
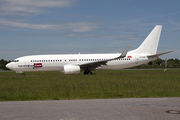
{"type": "Point", "coordinates": [23, 74]}
{"type": "Point", "coordinates": [90, 73]}
{"type": "Point", "coordinates": [87, 72]}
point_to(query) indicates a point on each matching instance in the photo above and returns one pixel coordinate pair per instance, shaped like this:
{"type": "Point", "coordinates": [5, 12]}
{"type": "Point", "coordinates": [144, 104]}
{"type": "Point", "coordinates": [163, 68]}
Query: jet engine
{"type": "Point", "coordinates": [71, 69]}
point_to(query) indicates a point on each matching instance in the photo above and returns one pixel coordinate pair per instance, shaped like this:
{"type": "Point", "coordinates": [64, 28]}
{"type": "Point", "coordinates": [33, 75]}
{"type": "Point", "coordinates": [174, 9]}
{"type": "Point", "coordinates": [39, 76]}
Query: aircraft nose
{"type": "Point", "coordinates": [9, 65]}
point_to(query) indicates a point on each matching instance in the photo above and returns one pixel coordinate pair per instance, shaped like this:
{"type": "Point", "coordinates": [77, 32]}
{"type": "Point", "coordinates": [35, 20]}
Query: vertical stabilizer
{"type": "Point", "coordinates": [150, 44]}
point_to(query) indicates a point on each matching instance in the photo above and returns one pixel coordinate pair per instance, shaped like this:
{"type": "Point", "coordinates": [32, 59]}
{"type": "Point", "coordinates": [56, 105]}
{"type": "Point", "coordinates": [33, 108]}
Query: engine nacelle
{"type": "Point", "coordinates": [71, 69]}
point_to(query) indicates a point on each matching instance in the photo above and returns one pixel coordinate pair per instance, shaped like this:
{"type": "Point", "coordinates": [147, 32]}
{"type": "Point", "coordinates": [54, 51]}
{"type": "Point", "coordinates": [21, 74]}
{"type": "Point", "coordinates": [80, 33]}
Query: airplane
{"type": "Point", "coordinates": [75, 63]}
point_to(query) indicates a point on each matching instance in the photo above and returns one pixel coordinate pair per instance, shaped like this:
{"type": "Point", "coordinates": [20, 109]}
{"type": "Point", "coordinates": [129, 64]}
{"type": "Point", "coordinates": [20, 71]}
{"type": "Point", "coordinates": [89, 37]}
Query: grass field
{"type": "Point", "coordinates": [102, 84]}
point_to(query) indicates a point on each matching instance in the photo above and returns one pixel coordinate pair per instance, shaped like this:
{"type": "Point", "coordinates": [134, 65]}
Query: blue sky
{"type": "Point", "coordinates": [29, 27]}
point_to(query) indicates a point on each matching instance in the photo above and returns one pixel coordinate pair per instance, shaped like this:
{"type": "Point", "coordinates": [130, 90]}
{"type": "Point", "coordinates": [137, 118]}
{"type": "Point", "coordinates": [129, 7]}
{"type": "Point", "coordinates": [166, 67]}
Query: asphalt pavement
{"type": "Point", "coordinates": [93, 109]}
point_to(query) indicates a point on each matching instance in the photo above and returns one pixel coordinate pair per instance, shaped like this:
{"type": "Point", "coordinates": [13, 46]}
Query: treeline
{"type": "Point", "coordinates": [159, 63]}
{"type": "Point", "coordinates": [3, 64]}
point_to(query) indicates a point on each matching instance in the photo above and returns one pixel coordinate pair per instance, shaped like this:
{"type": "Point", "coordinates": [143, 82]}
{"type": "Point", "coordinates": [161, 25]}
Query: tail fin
{"type": "Point", "coordinates": [150, 44]}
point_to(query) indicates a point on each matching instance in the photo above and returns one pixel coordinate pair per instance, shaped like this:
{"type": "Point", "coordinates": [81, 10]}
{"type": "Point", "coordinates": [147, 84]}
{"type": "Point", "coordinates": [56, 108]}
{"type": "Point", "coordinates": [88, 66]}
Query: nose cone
{"type": "Point", "coordinates": [9, 65]}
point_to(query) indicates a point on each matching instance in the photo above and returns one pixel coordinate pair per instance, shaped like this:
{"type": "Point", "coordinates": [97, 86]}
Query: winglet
{"type": "Point", "coordinates": [124, 52]}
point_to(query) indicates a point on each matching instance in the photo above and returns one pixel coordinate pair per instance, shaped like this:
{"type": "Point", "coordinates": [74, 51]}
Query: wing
{"type": "Point", "coordinates": [95, 64]}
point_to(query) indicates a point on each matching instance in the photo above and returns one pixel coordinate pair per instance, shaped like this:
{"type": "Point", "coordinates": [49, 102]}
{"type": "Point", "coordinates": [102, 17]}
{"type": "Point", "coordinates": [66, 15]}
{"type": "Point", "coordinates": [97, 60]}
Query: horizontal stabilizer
{"type": "Point", "coordinates": [156, 55]}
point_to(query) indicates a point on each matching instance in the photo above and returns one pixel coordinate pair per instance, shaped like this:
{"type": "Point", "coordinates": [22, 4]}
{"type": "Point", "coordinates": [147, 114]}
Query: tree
{"type": "Point", "coordinates": [159, 61]}
{"type": "Point", "coordinates": [3, 64]}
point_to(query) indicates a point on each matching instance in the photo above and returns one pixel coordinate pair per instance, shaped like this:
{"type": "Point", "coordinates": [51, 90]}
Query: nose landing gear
{"type": "Point", "coordinates": [23, 74]}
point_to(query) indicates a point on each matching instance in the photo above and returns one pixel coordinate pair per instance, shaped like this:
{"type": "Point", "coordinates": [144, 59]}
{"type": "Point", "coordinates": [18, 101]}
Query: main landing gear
{"type": "Point", "coordinates": [87, 72]}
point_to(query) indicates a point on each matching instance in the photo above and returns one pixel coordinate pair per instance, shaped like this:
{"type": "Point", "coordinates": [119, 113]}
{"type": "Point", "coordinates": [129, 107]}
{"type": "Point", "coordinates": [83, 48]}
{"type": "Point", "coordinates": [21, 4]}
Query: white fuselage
{"type": "Point", "coordinates": [57, 62]}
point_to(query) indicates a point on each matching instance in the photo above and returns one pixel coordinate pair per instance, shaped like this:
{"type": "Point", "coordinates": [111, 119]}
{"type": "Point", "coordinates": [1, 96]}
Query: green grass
{"type": "Point", "coordinates": [103, 84]}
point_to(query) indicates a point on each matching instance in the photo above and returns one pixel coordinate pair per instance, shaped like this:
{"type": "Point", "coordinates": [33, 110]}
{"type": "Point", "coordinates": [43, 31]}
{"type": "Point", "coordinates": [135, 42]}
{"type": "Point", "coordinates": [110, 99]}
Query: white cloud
{"type": "Point", "coordinates": [79, 26]}
{"type": "Point", "coordinates": [71, 26]}
{"type": "Point", "coordinates": [122, 37]}
{"type": "Point", "coordinates": [40, 3]}
{"type": "Point", "coordinates": [31, 6]}
{"type": "Point", "coordinates": [174, 23]}
{"type": "Point", "coordinates": [17, 9]}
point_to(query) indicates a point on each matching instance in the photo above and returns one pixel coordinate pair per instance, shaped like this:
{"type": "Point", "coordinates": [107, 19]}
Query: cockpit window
{"type": "Point", "coordinates": [15, 60]}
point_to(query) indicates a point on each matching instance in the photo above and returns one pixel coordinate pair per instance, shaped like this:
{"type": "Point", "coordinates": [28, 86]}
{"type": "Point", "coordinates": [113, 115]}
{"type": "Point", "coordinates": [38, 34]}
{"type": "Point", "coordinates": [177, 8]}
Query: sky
{"type": "Point", "coordinates": [32, 27]}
